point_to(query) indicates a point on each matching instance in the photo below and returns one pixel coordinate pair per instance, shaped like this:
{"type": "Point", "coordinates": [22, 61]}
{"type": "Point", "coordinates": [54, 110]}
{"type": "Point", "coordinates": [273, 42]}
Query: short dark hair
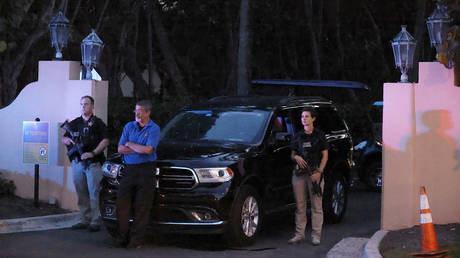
{"type": "Point", "coordinates": [145, 103]}
{"type": "Point", "coordinates": [88, 97]}
{"type": "Point", "coordinates": [312, 111]}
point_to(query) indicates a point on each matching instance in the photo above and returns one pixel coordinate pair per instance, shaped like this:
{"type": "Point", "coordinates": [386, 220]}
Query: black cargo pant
{"type": "Point", "coordinates": [137, 188]}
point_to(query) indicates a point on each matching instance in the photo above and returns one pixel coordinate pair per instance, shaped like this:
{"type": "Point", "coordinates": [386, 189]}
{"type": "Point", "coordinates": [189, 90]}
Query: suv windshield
{"type": "Point", "coordinates": [244, 126]}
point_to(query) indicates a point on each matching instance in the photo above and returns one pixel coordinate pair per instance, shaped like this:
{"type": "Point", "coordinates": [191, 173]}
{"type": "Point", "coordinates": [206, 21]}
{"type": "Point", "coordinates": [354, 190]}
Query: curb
{"type": "Point", "coordinates": [347, 247]}
{"type": "Point", "coordinates": [371, 249]}
{"type": "Point", "coordinates": [38, 223]}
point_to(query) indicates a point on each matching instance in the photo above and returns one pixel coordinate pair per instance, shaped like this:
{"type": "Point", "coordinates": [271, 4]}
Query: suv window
{"type": "Point", "coordinates": [282, 127]}
{"type": "Point", "coordinates": [217, 125]}
{"type": "Point", "coordinates": [329, 121]}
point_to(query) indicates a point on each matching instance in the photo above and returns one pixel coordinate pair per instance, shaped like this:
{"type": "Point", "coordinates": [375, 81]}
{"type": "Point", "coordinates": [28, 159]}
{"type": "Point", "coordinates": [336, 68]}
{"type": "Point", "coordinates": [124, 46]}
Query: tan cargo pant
{"type": "Point", "coordinates": [301, 185]}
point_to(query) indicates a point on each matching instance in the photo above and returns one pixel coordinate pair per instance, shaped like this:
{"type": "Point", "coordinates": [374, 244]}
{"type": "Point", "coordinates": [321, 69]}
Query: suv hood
{"type": "Point", "coordinates": [180, 150]}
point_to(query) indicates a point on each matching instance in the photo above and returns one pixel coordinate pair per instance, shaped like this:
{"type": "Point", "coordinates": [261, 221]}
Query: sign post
{"type": "Point", "coordinates": [35, 139]}
{"type": "Point", "coordinates": [36, 184]}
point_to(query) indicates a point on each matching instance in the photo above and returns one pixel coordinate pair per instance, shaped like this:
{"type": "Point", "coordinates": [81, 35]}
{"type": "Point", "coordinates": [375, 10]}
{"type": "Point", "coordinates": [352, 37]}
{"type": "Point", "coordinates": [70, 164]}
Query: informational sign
{"type": "Point", "coordinates": [35, 138]}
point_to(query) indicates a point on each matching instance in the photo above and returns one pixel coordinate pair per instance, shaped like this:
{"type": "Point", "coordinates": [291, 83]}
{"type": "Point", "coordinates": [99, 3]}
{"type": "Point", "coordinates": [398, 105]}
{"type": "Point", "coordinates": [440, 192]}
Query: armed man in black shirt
{"type": "Point", "coordinates": [86, 138]}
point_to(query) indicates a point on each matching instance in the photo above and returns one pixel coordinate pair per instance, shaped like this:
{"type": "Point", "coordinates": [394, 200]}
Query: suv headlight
{"type": "Point", "coordinates": [111, 170]}
{"type": "Point", "coordinates": [214, 175]}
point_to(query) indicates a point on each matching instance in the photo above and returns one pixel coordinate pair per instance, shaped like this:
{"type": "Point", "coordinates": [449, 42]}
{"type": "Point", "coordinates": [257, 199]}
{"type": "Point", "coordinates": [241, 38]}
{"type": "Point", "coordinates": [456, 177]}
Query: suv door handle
{"type": "Point", "coordinates": [280, 149]}
{"type": "Point", "coordinates": [336, 137]}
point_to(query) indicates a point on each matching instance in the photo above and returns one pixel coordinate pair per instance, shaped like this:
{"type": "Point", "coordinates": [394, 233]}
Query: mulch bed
{"type": "Point", "coordinates": [12, 207]}
{"type": "Point", "coordinates": [401, 243]}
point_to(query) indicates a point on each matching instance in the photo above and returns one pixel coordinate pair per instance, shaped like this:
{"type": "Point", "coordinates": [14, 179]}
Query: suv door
{"type": "Point", "coordinates": [278, 165]}
{"type": "Point", "coordinates": [336, 132]}
{"type": "Point", "coordinates": [337, 169]}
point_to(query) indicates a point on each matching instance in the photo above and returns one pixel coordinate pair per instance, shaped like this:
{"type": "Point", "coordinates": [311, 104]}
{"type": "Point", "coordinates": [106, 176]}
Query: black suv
{"type": "Point", "coordinates": [223, 165]}
{"type": "Point", "coordinates": [368, 153]}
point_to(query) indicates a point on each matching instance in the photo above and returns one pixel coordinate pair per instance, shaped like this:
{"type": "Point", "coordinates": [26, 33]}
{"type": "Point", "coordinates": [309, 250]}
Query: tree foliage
{"type": "Point", "coordinates": [193, 45]}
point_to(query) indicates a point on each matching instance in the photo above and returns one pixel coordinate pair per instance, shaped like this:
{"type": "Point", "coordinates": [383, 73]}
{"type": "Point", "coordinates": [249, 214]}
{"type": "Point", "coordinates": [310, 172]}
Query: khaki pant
{"type": "Point", "coordinates": [301, 186]}
{"type": "Point", "coordinates": [86, 181]}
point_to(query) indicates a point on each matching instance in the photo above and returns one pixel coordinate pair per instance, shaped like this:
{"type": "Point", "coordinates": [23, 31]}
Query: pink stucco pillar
{"type": "Point", "coordinates": [421, 135]}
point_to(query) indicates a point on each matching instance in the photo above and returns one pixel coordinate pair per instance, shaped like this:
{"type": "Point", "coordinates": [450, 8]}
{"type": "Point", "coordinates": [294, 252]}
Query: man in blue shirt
{"type": "Point", "coordinates": [138, 144]}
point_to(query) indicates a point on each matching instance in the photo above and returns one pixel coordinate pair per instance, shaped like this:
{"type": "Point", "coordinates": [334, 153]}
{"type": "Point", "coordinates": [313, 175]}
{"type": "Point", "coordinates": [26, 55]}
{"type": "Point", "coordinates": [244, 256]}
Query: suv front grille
{"type": "Point", "coordinates": [176, 178]}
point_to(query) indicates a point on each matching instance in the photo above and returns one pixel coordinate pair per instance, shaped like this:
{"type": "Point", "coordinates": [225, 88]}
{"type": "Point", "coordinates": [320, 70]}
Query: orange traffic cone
{"type": "Point", "coordinates": [429, 244]}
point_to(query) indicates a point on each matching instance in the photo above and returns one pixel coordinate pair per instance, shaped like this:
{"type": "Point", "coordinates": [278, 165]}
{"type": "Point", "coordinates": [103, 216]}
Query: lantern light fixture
{"type": "Point", "coordinates": [59, 27]}
{"type": "Point", "coordinates": [91, 49]}
{"type": "Point", "coordinates": [403, 49]}
{"type": "Point", "coordinates": [438, 24]}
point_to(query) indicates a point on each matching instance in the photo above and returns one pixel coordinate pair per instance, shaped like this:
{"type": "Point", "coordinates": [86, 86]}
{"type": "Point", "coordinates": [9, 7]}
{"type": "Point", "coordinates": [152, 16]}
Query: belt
{"type": "Point", "coordinates": [150, 163]}
{"type": "Point", "coordinates": [90, 160]}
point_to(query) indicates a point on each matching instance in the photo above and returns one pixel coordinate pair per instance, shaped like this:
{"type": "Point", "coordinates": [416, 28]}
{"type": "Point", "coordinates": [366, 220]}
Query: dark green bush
{"type": "Point", "coordinates": [121, 112]}
{"type": "Point", "coordinates": [7, 187]}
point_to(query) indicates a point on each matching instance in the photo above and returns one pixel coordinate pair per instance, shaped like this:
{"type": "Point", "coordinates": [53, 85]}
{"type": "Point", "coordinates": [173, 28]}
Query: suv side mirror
{"type": "Point", "coordinates": [283, 137]}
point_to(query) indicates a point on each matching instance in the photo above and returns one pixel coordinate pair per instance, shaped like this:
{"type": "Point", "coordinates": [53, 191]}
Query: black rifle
{"type": "Point", "coordinates": [304, 171]}
{"type": "Point", "coordinates": [73, 149]}
{"type": "Point", "coordinates": [316, 188]}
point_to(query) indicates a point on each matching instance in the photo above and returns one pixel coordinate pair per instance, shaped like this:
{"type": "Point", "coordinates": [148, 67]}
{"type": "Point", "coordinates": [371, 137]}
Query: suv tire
{"type": "Point", "coordinates": [245, 217]}
{"type": "Point", "coordinates": [373, 175]}
{"type": "Point", "coordinates": [112, 229]}
{"type": "Point", "coordinates": [335, 199]}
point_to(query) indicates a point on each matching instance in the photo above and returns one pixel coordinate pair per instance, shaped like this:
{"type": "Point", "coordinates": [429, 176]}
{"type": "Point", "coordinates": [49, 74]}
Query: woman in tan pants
{"type": "Point", "coordinates": [310, 152]}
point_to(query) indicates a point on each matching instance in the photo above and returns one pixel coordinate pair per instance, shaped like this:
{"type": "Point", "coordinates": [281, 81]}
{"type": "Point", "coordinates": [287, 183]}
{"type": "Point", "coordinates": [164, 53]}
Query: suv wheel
{"type": "Point", "coordinates": [245, 217]}
{"type": "Point", "coordinates": [111, 229]}
{"type": "Point", "coordinates": [373, 175]}
{"type": "Point", "coordinates": [335, 199]}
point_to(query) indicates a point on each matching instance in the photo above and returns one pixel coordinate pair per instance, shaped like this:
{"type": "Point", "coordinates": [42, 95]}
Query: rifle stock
{"type": "Point", "coordinates": [73, 148]}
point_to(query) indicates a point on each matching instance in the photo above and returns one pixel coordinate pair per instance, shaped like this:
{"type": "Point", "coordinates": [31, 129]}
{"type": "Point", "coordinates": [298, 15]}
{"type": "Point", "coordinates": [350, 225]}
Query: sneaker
{"type": "Point", "coordinates": [94, 228]}
{"type": "Point", "coordinates": [315, 241]}
{"type": "Point", "coordinates": [79, 225]}
{"type": "Point", "coordinates": [296, 239]}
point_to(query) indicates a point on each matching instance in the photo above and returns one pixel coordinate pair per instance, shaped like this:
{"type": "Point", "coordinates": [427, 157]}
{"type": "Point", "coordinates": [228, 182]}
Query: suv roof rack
{"type": "Point", "coordinates": [261, 101]}
{"type": "Point", "coordinates": [313, 83]}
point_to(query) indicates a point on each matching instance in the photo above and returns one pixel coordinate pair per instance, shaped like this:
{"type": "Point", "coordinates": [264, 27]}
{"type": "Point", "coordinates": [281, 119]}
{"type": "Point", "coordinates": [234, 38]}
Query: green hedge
{"type": "Point", "coordinates": [121, 112]}
{"type": "Point", "coordinates": [7, 187]}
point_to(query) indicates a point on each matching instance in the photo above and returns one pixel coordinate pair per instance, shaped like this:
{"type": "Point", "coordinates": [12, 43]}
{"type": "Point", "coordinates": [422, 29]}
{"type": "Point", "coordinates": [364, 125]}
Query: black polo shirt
{"type": "Point", "coordinates": [310, 146]}
{"type": "Point", "coordinates": [89, 133]}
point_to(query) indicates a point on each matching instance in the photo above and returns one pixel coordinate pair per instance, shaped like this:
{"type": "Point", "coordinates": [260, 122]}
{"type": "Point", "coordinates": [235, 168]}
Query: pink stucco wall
{"type": "Point", "coordinates": [55, 97]}
{"type": "Point", "coordinates": [421, 136]}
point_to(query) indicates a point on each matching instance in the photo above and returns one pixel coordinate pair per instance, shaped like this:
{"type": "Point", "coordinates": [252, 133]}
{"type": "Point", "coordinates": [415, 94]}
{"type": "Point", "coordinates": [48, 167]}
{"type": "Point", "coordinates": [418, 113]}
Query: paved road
{"type": "Point", "coordinates": [361, 220]}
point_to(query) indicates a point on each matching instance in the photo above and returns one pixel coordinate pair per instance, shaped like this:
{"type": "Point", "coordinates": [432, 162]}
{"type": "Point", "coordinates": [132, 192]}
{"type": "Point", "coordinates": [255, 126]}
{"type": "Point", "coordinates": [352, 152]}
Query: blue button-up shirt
{"type": "Point", "coordinates": [148, 136]}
